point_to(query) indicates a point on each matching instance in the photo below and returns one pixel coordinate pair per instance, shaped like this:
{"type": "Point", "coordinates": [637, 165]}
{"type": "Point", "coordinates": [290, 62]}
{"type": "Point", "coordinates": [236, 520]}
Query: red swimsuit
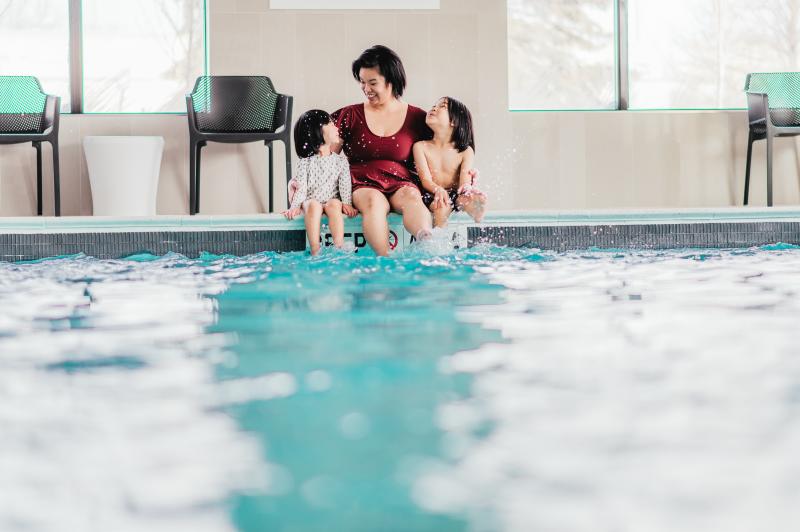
{"type": "Point", "coordinates": [382, 163]}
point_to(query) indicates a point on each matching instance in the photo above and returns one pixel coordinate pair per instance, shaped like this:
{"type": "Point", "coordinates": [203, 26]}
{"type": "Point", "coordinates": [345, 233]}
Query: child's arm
{"type": "Point", "coordinates": [346, 188]}
{"type": "Point", "coordinates": [467, 171]}
{"type": "Point", "coordinates": [423, 170]}
{"type": "Point", "coordinates": [301, 180]}
{"type": "Point", "coordinates": [426, 178]}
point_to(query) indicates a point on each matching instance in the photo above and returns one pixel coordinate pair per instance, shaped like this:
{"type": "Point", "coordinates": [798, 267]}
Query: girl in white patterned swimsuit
{"type": "Point", "coordinates": [322, 182]}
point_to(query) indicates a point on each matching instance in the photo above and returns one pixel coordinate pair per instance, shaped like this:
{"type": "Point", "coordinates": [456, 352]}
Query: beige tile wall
{"type": "Point", "coordinates": [528, 160]}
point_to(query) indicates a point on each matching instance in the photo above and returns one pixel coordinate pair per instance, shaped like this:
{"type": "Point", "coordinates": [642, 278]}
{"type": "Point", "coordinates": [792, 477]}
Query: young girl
{"type": "Point", "coordinates": [444, 164]}
{"type": "Point", "coordinates": [322, 181]}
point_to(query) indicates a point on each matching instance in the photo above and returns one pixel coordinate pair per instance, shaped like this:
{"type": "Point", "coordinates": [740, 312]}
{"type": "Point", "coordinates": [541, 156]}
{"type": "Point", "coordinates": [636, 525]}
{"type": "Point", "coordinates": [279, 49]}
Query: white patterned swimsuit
{"type": "Point", "coordinates": [321, 178]}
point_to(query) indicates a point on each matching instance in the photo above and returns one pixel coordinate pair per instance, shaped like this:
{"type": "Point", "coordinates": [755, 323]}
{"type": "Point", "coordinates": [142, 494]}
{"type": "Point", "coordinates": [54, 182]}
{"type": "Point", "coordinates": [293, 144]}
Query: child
{"type": "Point", "coordinates": [322, 180]}
{"type": "Point", "coordinates": [444, 164]}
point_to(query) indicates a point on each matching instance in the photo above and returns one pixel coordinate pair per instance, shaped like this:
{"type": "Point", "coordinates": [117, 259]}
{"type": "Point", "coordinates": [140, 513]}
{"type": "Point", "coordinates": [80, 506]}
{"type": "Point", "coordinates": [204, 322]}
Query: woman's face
{"type": "Point", "coordinates": [330, 133]}
{"type": "Point", "coordinates": [438, 115]}
{"type": "Point", "coordinates": [374, 86]}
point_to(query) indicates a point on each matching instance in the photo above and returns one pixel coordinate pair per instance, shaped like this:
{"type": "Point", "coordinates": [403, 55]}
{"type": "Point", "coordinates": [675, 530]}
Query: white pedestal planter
{"type": "Point", "coordinates": [123, 173]}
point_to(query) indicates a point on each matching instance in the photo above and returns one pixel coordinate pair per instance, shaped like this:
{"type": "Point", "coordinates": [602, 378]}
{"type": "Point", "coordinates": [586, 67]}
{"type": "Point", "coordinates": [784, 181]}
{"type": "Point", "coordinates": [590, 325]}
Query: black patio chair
{"type": "Point", "coordinates": [773, 110]}
{"type": "Point", "coordinates": [236, 109]}
{"type": "Point", "coordinates": [27, 114]}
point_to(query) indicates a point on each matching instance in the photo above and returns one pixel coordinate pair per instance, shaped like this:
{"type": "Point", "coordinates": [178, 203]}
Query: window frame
{"type": "Point", "coordinates": [622, 81]}
{"type": "Point", "coordinates": [76, 62]}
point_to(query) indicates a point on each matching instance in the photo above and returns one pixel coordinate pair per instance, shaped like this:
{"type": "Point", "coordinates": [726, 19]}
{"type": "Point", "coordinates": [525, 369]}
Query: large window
{"type": "Point", "coordinates": [561, 54]}
{"type": "Point", "coordinates": [645, 54]}
{"type": "Point", "coordinates": [691, 54]}
{"type": "Point", "coordinates": [34, 40]}
{"type": "Point", "coordinates": [124, 57]}
{"type": "Point", "coordinates": [141, 56]}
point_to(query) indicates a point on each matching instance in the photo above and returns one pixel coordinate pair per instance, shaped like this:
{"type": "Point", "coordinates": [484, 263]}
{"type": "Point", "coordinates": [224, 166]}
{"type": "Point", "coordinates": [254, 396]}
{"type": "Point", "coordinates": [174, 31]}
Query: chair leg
{"type": "Point", "coordinates": [769, 169]}
{"type": "Point", "coordinates": [38, 147]}
{"type": "Point", "coordinates": [194, 177]}
{"type": "Point", "coordinates": [747, 167]}
{"type": "Point", "coordinates": [288, 150]}
{"type": "Point", "coordinates": [270, 182]}
{"type": "Point", "coordinates": [192, 172]}
{"type": "Point", "coordinates": [197, 178]}
{"type": "Point", "coordinates": [56, 178]}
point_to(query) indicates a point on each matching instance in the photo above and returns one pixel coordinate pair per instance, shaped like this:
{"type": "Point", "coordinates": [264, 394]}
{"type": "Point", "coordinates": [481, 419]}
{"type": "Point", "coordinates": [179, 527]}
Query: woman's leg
{"type": "Point", "coordinates": [416, 216]}
{"type": "Point", "coordinates": [374, 209]}
{"type": "Point", "coordinates": [313, 215]}
{"type": "Point", "coordinates": [333, 210]}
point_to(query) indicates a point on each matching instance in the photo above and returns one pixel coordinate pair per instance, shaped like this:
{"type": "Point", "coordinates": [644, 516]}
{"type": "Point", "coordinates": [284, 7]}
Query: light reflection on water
{"type": "Point", "coordinates": [487, 389]}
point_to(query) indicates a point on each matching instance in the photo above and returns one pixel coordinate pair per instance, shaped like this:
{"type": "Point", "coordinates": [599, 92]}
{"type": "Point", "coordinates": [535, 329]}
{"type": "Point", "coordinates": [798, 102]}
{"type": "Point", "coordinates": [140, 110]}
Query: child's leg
{"type": "Point", "coordinates": [313, 216]}
{"type": "Point", "coordinates": [441, 215]}
{"type": "Point", "coordinates": [333, 210]}
{"type": "Point", "coordinates": [474, 205]}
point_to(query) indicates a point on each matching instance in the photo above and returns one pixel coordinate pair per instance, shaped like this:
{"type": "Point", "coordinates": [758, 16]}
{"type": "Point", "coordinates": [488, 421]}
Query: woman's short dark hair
{"type": "Point", "coordinates": [308, 132]}
{"type": "Point", "coordinates": [388, 64]}
{"type": "Point", "coordinates": [461, 118]}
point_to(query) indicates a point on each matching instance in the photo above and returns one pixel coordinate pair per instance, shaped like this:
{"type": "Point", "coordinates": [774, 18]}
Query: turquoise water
{"type": "Point", "coordinates": [483, 389]}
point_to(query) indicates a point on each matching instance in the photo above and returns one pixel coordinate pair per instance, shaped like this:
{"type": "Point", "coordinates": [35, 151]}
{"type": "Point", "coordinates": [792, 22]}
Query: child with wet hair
{"type": "Point", "coordinates": [322, 182]}
{"type": "Point", "coordinates": [444, 164]}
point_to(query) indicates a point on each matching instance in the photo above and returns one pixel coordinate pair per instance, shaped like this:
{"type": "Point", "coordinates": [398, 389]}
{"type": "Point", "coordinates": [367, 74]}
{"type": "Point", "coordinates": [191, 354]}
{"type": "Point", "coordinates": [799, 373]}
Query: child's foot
{"type": "Point", "coordinates": [474, 204]}
{"type": "Point", "coordinates": [478, 208]}
{"type": "Point", "coordinates": [315, 251]}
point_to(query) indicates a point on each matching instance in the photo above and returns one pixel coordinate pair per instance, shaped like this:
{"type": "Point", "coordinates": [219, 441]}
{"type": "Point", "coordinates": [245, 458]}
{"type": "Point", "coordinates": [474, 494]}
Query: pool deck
{"type": "Point", "coordinates": [29, 238]}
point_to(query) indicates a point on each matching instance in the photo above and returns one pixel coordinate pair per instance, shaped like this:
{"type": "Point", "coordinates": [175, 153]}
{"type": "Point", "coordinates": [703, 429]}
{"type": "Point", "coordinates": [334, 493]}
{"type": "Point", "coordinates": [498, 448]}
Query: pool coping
{"type": "Point", "coordinates": [30, 238]}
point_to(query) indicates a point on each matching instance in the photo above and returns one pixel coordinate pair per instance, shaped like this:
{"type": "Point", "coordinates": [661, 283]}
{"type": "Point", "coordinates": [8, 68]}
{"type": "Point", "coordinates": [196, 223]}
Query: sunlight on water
{"type": "Point", "coordinates": [483, 389]}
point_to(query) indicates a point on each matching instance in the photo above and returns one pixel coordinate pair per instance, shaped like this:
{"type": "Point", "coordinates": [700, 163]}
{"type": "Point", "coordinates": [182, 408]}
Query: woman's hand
{"type": "Point", "coordinates": [349, 210]}
{"type": "Point", "coordinates": [291, 214]}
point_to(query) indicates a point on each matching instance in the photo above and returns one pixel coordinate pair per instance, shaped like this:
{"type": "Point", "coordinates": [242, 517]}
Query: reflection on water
{"type": "Point", "coordinates": [488, 389]}
{"type": "Point", "coordinates": [646, 391]}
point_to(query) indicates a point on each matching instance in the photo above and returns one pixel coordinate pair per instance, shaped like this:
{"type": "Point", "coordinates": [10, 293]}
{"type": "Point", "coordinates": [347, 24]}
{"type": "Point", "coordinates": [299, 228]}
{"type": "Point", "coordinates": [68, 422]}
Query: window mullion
{"type": "Point", "coordinates": [623, 87]}
{"type": "Point", "coordinates": [75, 57]}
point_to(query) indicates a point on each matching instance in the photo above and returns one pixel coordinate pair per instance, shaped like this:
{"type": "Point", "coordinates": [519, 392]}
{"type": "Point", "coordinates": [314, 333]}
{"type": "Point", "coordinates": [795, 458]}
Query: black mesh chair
{"type": "Point", "coordinates": [236, 109]}
{"type": "Point", "coordinates": [773, 110]}
{"type": "Point", "coordinates": [27, 114]}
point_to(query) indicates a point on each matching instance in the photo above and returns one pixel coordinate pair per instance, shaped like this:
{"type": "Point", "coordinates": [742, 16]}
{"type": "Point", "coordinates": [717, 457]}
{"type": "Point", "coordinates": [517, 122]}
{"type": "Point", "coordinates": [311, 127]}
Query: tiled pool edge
{"type": "Point", "coordinates": [34, 238]}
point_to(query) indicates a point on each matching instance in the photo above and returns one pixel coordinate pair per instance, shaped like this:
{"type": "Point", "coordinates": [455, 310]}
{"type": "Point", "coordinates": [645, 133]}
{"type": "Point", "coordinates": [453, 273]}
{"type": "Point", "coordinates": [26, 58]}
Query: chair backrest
{"type": "Point", "coordinates": [22, 105]}
{"type": "Point", "coordinates": [234, 104]}
{"type": "Point", "coordinates": [782, 88]}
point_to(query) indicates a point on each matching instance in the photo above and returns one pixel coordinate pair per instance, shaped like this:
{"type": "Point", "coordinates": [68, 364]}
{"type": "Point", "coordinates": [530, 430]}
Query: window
{"type": "Point", "coordinates": [562, 54]}
{"type": "Point", "coordinates": [690, 54]}
{"type": "Point", "coordinates": [141, 57]}
{"type": "Point", "coordinates": [135, 57]}
{"type": "Point", "coordinates": [354, 4]}
{"type": "Point", "coordinates": [34, 41]}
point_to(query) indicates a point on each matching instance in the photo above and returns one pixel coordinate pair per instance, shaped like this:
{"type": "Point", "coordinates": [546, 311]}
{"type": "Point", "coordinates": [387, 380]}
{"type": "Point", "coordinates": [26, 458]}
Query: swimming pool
{"type": "Point", "coordinates": [481, 389]}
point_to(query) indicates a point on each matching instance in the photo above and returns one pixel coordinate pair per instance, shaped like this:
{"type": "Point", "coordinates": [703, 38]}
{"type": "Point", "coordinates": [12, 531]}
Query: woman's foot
{"type": "Point", "coordinates": [423, 234]}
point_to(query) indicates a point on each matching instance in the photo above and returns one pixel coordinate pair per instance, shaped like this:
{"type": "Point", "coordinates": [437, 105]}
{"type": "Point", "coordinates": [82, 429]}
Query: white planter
{"type": "Point", "coordinates": [123, 173]}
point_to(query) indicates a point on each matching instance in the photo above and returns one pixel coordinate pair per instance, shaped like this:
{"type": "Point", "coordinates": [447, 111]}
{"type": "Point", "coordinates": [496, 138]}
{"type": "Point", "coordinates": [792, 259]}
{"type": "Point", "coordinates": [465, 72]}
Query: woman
{"type": "Point", "coordinates": [377, 137]}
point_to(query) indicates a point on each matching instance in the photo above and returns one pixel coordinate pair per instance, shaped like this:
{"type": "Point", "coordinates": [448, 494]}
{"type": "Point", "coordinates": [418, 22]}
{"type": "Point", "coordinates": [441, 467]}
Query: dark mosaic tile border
{"type": "Point", "coordinates": [32, 246]}
{"type": "Point", "coordinates": [641, 236]}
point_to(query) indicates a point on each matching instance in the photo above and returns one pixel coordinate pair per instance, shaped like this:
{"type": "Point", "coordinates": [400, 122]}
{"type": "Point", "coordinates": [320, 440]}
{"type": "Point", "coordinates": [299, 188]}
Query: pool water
{"type": "Point", "coordinates": [484, 389]}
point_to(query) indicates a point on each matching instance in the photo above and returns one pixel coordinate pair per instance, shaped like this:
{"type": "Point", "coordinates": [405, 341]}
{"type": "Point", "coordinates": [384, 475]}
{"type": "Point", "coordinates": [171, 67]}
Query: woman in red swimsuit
{"type": "Point", "coordinates": [377, 137]}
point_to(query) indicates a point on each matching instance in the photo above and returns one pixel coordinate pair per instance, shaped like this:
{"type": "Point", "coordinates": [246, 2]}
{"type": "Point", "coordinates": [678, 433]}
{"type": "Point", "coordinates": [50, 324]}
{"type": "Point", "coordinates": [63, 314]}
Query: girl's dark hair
{"type": "Point", "coordinates": [388, 64]}
{"type": "Point", "coordinates": [308, 132]}
{"type": "Point", "coordinates": [461, 118]}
